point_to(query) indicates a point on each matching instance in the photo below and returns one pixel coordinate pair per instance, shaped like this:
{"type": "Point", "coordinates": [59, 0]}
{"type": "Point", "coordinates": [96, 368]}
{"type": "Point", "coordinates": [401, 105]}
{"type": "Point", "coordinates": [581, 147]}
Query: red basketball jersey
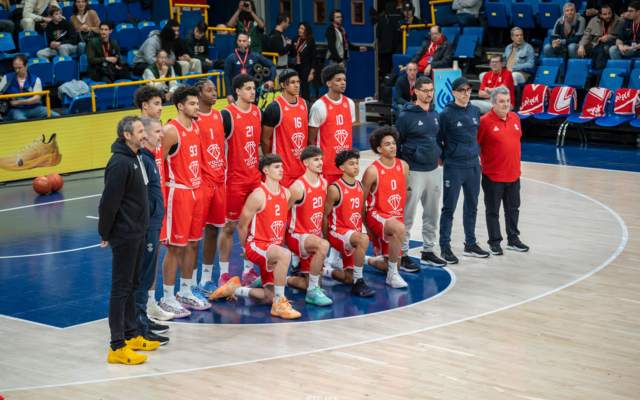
{"type": "Point", "coordinates": [290, 135]}
{"type": "Point", "coordinates": [389, 196]}
{"type": "Point", "coordinates": [347, 214]}
{"type": "Point", "coordinates": [160, 164]}
{"type": "Point", "coordinates": [212, 144]}
{"type": "Point", "coordinates": [183, 167]}
{"type": "Point", "coordinates": [242, 145]}
{"type": "Point", "coordinates": [268, 225]}
{"type": "Point", "coordinates": [306, 217]}
{"type": "Point", "coordinates": [334, 135]}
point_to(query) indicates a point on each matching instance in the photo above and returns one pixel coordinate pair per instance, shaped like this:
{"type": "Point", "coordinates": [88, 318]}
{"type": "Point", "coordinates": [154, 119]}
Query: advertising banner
{"type": "Point", "coordinates": [443, 78]}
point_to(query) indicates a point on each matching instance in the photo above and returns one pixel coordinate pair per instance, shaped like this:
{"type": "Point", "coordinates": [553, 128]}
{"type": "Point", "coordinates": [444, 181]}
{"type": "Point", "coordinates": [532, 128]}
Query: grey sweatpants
{"type": "Point", "coordinates": [426, 188]}
{"type": "Point", "coordinates": [63, 50]}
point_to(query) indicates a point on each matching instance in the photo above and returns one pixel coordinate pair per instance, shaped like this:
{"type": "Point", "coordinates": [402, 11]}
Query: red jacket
{"type": "Point", "coordinates": [505, 78]}
{"type": "Point", "coordinates": [499, 142]}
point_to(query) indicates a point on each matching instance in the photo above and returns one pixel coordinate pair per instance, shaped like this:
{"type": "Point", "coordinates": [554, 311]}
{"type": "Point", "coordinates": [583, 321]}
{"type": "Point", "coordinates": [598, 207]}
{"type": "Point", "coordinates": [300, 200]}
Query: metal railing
{"type": "Point", "coordinates": [211, 30]}
{"type": "Point", "coordinates": [44, 93]}
{"type": "Point", "coordinates": [433, 22]}
{"type": "Point", "coordinates": [179, 6]}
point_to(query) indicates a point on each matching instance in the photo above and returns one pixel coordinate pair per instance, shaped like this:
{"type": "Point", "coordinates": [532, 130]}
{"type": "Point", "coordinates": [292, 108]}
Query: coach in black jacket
{"type": "Point", "coordinates": [124, 219]}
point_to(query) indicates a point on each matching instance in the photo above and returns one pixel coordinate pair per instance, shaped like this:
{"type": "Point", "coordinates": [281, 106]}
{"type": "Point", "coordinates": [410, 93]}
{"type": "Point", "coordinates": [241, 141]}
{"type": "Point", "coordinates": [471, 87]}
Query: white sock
{"type": "Point", "coordinates": [243, 292]}
{"type": "Point", "coordinates": [286, 282]}
{"type": "Point", "coordinates": [279, 293]}
{"type": "Point", "coordinates": [206, 274]}
{"type": "Point", "coordinates": [357, 273]}
{"type": "Point", "coordinates": [326, 271]}
{"type": "Point", "coordinates": [366, 260]}
{"type": "Point", "coordinates": [224, 268]}
{"type": "Point", "coordinates": [152, 296]}
{"type": "Point", "coordinates": [185, 287]}
{"type": "Point", "coordinates": [194, 277]}
{"type": "Point", "coordinates": [393, 268]}
{"type": "Point", "coordinates": [248, 266]}
{"type": "Point", "coordinates": [168, 293]}
{"type": "Point", "coordinates": [295, 260]}
{"type": "Point", "coordinates": [313, 281]}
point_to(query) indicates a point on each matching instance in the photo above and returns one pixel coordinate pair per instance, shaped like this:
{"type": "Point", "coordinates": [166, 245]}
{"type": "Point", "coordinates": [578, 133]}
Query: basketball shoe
{"type": "Point", "coordinates": [283, 309]}
{"type": "Point", "coordinates": [317, 297]}
{"type": "Point", "coordinates": [227, 289]}
{"type": "Point", "coordinates": [249, 277]}
{"type": "Point", "coordinates": [208, 288]}
{"type": "Point", "coordinates": [36, 154]}
{"type": "Point", "coordinates": [140, 343]}
{"type": "Point", "coordinates": [191, 301]}
{"type": "Point", "coordinates": [125, 355]}
{"type": "Point", "coordinates": [172, 306]}
{"type": "Point", "coordinates": [224, 278]}
{"type": "Point", "coordinates": [395, 281]}
{"type": "Point", "coordinates": [154, 311]}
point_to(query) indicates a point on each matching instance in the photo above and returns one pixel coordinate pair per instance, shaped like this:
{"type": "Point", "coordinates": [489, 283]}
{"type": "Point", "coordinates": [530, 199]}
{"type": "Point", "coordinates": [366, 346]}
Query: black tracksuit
{"type": "Point", "coordinates": [124, 219]}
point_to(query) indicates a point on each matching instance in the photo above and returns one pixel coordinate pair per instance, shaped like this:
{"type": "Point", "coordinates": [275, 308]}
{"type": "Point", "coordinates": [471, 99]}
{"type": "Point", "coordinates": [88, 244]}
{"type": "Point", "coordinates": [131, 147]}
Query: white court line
{"type": "Point", "coordinates": [631, 301]}
{"type": "Point", "coordinates": [51, 202]}
{"type": "Point", "coordinates": [365, 359]}
{"type": "Point", "coordinates": [51, 253]}
{"type": "Point", "coordinates": [442, 348]}
{"type": "Point", "coordinates": [449, 377]}
{"type": "Point", "coordinates": [92, 217]}
{"type": "Point", "coordinates": [30, 322]}
{"type": "Point", "coordinates": [623, 242]}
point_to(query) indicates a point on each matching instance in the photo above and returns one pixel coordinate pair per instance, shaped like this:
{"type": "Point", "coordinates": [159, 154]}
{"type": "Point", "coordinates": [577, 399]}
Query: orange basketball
{"type": "Point", "coordinates": [56, 182]}
{"type": "Point", "coordinates": [42, 185]}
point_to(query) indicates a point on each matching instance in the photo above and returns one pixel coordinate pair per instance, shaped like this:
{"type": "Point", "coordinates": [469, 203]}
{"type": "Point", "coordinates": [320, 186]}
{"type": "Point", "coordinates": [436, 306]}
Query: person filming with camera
{"type": "Point", "coordinates": [245, 20]}
{"type": "Point", "coordinates": [104, 59]}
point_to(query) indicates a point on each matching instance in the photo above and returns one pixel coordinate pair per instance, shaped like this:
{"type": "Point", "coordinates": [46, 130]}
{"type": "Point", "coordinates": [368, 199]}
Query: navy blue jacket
{"type": "Point", "coordinates": [232, 67]}
{"type": "Point", "coordinates": [402, 94]}
{"type": "Point", "coordinates": [418, 141]}
{"type": "Point", "coordinates": [156, 201]}
{"type": "Point", "coordinates": [458, 135]}
{"type": "Point", "coordinates": [626, 33]}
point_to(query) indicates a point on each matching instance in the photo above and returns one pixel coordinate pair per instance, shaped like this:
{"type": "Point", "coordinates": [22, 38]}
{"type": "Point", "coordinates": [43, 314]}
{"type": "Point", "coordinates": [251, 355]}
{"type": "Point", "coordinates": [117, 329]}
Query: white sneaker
{"type": "Point", "coordinates": [192, 302]}
{"type": "Point", "coordinates": [154, 311]}
{"type": "Point", "coordinates": [396, 281]}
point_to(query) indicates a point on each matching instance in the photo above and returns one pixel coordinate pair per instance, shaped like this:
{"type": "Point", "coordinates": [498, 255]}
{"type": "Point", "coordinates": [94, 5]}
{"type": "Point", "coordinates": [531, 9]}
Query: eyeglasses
{"type": "Point", "coordinates": [163, 58]}
{"type": "Point", "coordinates": [464, 91]}
{"type": "Point", "coordinates": [426, 90]}
{"type": "Point", "coordinates": [495, 62]}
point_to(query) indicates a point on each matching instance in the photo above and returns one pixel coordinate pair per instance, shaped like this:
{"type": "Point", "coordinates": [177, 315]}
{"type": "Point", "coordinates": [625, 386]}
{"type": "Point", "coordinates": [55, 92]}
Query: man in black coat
{"type": "Point", "coordinates": [123, 222]}
{"type": "Point", "coordinates": [337, 41]}
{"type": "Point", "coordinates": [434, 53]}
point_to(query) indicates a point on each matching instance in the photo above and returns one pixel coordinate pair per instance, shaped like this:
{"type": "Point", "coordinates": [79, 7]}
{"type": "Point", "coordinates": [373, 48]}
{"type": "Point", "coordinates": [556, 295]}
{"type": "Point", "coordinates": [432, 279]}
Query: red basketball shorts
{"type": "Point", "coordinates": [257, 253]}
{"type": "Point", "coordinates": [235, 199]}
{"type": "Point", "coordinates": [375, 223]}
{"type": "Point", "coordinates": [215, 205]}
{"type": "Point", "coordinates": [183, 220]}
{"type": "Point", "coordinates": [295, 243]}
{"type": "Point", "coordinates": [339, 240]}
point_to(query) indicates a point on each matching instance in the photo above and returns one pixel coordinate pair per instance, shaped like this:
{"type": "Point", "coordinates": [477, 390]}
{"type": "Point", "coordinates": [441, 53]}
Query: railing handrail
{"type": "Point", "coordinates": [44, 93]}
{"type": "Point", "coordinates": [179, 6]}
{"type": "Point", "coordinates": [177, 78]}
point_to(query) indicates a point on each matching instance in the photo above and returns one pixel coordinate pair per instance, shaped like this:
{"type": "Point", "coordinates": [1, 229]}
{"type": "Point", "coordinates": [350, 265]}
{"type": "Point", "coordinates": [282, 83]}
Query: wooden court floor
{"type": "Point", "coordinates": [559, 322]}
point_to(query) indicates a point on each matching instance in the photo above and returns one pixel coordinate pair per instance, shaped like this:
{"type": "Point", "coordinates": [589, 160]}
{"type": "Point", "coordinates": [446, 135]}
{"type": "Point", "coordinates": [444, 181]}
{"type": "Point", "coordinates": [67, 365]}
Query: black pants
{"type": "Point", "coordinates": [138, 69]}
{"type": "Point", "coordinates": [304, 70]}
{"type": "Point", "coordinates": [126, 265]}
{"type": "Point", "coordinates": [147, 276]}
{"type": "Point", "coordinates": [385, 61]}
{"type": "Point", "coordinates": [120, 74]}
{"type": "Point", "coordinates": [509, 194]}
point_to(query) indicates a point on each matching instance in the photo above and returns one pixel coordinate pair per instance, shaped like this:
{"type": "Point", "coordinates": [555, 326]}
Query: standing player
{"type": "Point", "coordinates": [242, 123]}
{"type": "Point", "coordinates": [209, 124]}
{"type": "Point", "coordinates": [183, 220]}
{"type": "Point", "coordinates": [266, 213]}
{"type": "Point", "coordinates": [330, 125]}
{"type": "Point", "coordinates": [303, 237]}
{"type": "Point", "coordinates": [342, 224]}
{"type": "Point", "coordinates": [384, 185]}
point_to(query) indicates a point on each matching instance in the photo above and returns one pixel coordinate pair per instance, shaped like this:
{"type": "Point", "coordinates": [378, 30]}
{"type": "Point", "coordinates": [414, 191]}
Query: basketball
{"type": "Point", "coordinates": [42, 185]}
{"type": "Point", "coordinates": [56, 182]}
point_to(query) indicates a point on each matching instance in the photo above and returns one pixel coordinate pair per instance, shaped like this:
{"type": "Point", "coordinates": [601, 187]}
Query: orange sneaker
{"type": "Point", "coordinates": [35, 154]}
{"type": "Point", "coordinates": [283, 309]}
{"type": "Point", "coordinates": [226, 290]}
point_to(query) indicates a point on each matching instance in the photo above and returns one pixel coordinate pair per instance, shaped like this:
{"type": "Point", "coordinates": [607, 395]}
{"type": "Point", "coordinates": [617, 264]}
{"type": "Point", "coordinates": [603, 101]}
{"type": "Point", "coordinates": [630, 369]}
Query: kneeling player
{"type": "Point", "coordinates": [305, 227]}
{"type": "Point", "coordinates": [342, 224]}
{"type": "Point", "coordinates": [266, 211]}
{"type": "Point", "coordinates": [384, 186]}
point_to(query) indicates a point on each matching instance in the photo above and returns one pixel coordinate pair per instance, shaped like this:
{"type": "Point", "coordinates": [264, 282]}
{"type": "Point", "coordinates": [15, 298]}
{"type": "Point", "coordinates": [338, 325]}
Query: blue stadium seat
{"type": "Point", "coordinates": [136, 11]}
{"type": "Point", "coordinates": [523, 13]}
{"type": "Point", "coordinates": [189, 19]}
{"type": "Point", "coordinates": [577, 72]}
{"type": "Point", "coordinates": [131, 55]}
{"type": "Point", "coordinates": [4, 14]}
{"type": "Point", "coordinates": [634, 79]}
{"type": "Point", "coordinates": [146, 28]}
{"type": "Point", "coordinates": [611, 78]}
{"type": "Point", "coordinates": [548, 11]}
{"type": "Point", "coordinates": [627, 65]}
{"type": "Point", "coordinates": [225, 44]}
{"type": "Point", "coordinates": [30, 42]}
{"type": "Point", "coordinates": [613, 119]}
{"type": "Point", "coordinates": [546, 116]}
{"type": "Point", "coordinates": [410, 51]}
{"type": "Point", "coordinates": [114, 35]}
{"type": "Point", "coordinates": [124, 94]}
{"type": "Point", "coordinates": [163, 23]}
{"type": "Point", "coordinates": [80, 104]}
{"type": "Point", "coordinates": [122, 26]}
{"type": "Point", "coordinates": [399, 61]}
{"type": "Point", "coordinates": [496, 11]}
{"type": "Point", "coordinates": [575, 119]}
{"type": "Point", "coordinates": [13, 7]}
{"type": "Point", "coordinates": [416, 37]}
{"type": "Point", "coordinates": [129, 37]}
{"type": "Point", "coordinates": [41, 68]}
{"type": "Point", "coordinates": [116, 11]}
{"type": "Point", "coordinates": [553, 62]}
{"type": "Point", "coordinates": [213, 53]}
{"type": "Point", "coordinates": [83, 64]}
{"type": "Point", "coordinates": [66, 7]}
{"type": "Point", "coordinates": [65, 69]}
{"type": "Point", "coordinates": [450, 32]}
{"type": "Point", "coordinates": [478, 32]}
{"type": "Point", "coordinates": [105, 98]}
{"type": "Point", "coordinates": [466, 47]}
{"type": "Point", "coordinates": [192, 80]}
{"type": "Point", "coordinates": [98, 8]}
{"type": "Point", "coordinates": [546, 76]}
{"type": "Point", "coordinates": [635, 123]}
{"type": "Point", "coordinates": [6, 44]}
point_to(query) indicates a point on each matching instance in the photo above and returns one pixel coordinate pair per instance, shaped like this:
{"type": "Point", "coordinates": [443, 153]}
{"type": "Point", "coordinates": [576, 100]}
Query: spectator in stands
{"type": "Point", "coordinates": [86, 22]}
{"type": "Point", "coordinates": [499, 139]}
{"type": "Point", "coordinates": [22, 81]}
{"type": "Point", "coordinates": [519, 56]}
{"type": "Point", "coordinates": [567, 33]}
{"type": "Point", "coordinates": [104, 58]}
{"type": "Point", "coordinates": [61, 36]}
{"type": "Point", "coordinates": [303, 55]}
{"type": "Point", "coordinates": [593, 6]}
{"type": "Point", "coordinates": [499, 76]}
{"type": "Point", "coordinates": [279, 43]}
{"type": "Point", "coordinates": [623, 11]}
{"type": "Point", "coordinates": [32, 12]}
{"type": "Point", "coordinates": [386, 32]}
{"type": "Point", "coordinates": [198, 45]}
{"type": "Point", "coordinates": [241, 61]}
{"type": "Point", "coordinates": [408, 12]}
{"type": "Point", "coordinates": [157, 40]}
{"type": "Point", "coordinates": [627, 44]}
{"type": "Point", "coordinates": [246, 20]}
{"type": "Point", "coordinates": [599, 36]}
{"type": "Point", "coordinates": [434, 53]}
{"type": "Point", "coordinates": [6, 25]}
{"type": "Point", "coordinates": [161, 69]}
{"type": "Point", "coordinates": [467, 12]}
{"type": "Point", "coordinates": [186, 62]}
{"type": "Point", "coordinates": [405, 87]}
{"type": "Point", "coordinates": [337, 41]}
{"type": "Point", "coordinates": [222, 32]}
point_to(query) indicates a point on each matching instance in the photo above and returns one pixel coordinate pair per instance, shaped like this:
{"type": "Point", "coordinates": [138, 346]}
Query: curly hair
{"type": "Point", "coordinates": [375, 139]}
{"type": "Point", "coordinates": [345, 156]}
{"type": "Point", "coordinates": [144, 94]}
{"type": "Point", "coordinates": [330, 71]}
{"type": "Point", "coordinates": [181, 94]}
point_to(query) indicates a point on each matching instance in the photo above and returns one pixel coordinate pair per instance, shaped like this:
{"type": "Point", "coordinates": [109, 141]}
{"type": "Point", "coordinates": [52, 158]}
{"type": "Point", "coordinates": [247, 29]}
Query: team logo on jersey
{"type": "Point", "coordinates": [195, 168]}
{"type": "Point", "coordinates": [215, 116]}
{"type": "Point", "coordinates": [317, 219]}
{"type": "Point", "coordinates": [398, 168]}
{"type": "Point", "coordinates": [309, 190]}
{"type": "Point", "coordinates": [277, 227]}
{"type": "Point", "coordinates": [330, 107]}
{"type": "Point", "coordinates": [341, 136]}
{"type": "Point", "coordinates": [255, 113]}
{"type": "Point", "coordinates": [238, 116]}
{"type": "Point", "coordinates": [286, 108]}
{"type": "Point", "coordinates": [395, 201]}
{"type": "Point", "coordinates": [495, 129]}
{"type": "Point", "coordinates": [345, 105]}
{"type": "Point", "coordinates": [159, 164]}
{"type": "Point", "coordinates": [135, 166]}
{"type": "Point", "coordinates": [282, 195]}
{"type": "Point", "coordinates": [355, 219]}
{"type": "Point", "coordinates": [516, 126]}
{"type": "Point", "coordinates": [447, 183]}
{"type": "Point", "coordinates": [302, 106]}
{"type": "Point", "coordinates": [268, 197]}
{"type": "Point", "coordinates": [298, 139]}
{"type": "Point", "coordinates": [184, 134]}
{"type": "Point", "coordinates": [436, 120]}
{"type": "Point", "coordinates": [382, 172]}
{"type": "Point", "coordinates": [214, 150]}
{"type": "Point", "coordinates": [250, 148]}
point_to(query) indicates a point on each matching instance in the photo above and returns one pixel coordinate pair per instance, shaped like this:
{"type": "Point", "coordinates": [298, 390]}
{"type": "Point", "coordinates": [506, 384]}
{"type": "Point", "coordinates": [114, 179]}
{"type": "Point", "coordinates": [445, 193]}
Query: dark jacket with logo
{"type": "Point", "coordinates": [232, 66]}
{"type": "Point", "coordinates": [418, 137]}
{"type": "Point", "coordinates": [62, 32]}
{"type": "Point", "coordinates": [458, 135]}
{"type": "Point", "coordinates": [156, 199]}
{"type": "Point", "coordinates": [197, 48]}
{"type": "Point", "coordinates": [442, 57]}
{"type": "Point", "coordinates": [124, 205]}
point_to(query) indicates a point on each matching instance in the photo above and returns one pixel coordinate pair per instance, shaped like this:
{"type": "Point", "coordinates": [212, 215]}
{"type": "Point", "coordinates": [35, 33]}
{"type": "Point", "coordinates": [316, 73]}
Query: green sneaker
{"type": "Point", "coordinates": [317, 297]}
{"type": "Point", "coordinates": [257, 283]}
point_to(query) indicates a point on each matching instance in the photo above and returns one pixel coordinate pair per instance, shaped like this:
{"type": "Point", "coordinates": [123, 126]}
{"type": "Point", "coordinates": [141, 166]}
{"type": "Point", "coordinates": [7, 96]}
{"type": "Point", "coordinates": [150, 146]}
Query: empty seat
{"type": "Point", "coordinates": [496, 11]}
{"type": "Point", "coordinates": [452, 33]}
{"type": "Point", "coordinates": [116, 11]}
{"type": "Point", "coordinates": [31, 43]}
{"type": "Point", "coordinates": [634, 79]}
{"type": "Point", "coordinates": [136, 11]}
{"type": "Point", "coordinates": [129, 37]}
{"type": "Point", "coordinates": [553, 62]}
{"type": "Point", "coordinates": [105, 98]}
{"type": "Point", "coordinates": [466, 47]}
{"type": "Point", "coordinates": [41, 68]}
{"type": "Point", "coordinates": [548, 13]}
{"type": "Point", "coordinates": [67, 9]}
{"type": "Point", "coordinates": [614, 119]}
{"type": "Point", "coordinates": [6, 44]}
{"type": "Point", "coordinates": [98, 8]}
{"type": "Point", "coordinates": [546, 76]}
{"type": "Point", "coordinates": [65, 69]}
{"type": "Point", "coordinates": [416, 37]}
{"type": "Point", "coordinates": [83, 64]}
{"type": "Point", "coordinates": [80, 104]}
{"type": "Point", "coordinates": [478, 32]}
{"type": "Point", "coordinates": [524, 13]}
{"type": "Point", "coordinates": [192, 80]}
{"type": "Point", "coordinates": [225, 45]}
{"type": "Point", "coordinates": [146, 28]}
{"type": "Point", "coordinates": [124, 94]}
{"type": "Point", "coordinates": [612, 78]}
{"type": "Point", "coordinates": [627, 65]}
{"type": "Point", "coordinates": [577, 72]}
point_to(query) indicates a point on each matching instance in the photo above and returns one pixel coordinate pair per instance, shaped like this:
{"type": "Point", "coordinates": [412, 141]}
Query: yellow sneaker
{"type": "Point", "coordinates": [34, 155]}
{"type": "Point", "coordinates": [226, 290]}
{"type": "Point", "coordinates": [283, 309]}
{"type": "Point", "coordinates": [140, 343]}
{"type": "Point", "coordinates": [125, 356]}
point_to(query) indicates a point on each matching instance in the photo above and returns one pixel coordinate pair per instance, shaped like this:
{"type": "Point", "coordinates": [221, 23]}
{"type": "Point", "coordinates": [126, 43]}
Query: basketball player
{"type": "Point", "coordinates": [330, 125]}
{"type": "Point", "coordinates": [266, 211]}
{"type": "Point", "coordinates": [342, 224]}
{"type": "Point", "coordinates": [384, 185]}
{"type": "Point", "coordinates": [303, 237]}
{"type": "Point", "coordinates": [183, 221]}
{"type": "Point", "coordinates": [242, 122]}
{"type": "Point", "coordinates": [209, 124]}
{"type": "Point", "coordinates": [149, 100]}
